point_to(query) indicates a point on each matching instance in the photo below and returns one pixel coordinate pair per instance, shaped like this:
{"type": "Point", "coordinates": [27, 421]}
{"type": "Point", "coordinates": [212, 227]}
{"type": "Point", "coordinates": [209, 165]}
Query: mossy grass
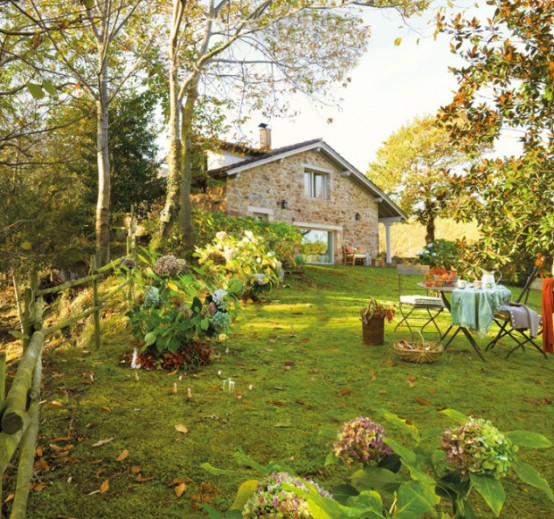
{"type": "Point", "coordinates": [299, 364]}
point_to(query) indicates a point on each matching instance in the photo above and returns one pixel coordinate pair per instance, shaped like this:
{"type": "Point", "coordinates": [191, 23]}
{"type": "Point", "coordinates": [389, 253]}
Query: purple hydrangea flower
{"type": "Point", "coordinates": [361, 439]}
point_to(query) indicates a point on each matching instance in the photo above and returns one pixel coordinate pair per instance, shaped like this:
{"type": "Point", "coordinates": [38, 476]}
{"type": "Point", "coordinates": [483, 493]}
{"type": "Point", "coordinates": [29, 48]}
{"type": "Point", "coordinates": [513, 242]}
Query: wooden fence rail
{"type": "Point", "coordinates": [19, 422]}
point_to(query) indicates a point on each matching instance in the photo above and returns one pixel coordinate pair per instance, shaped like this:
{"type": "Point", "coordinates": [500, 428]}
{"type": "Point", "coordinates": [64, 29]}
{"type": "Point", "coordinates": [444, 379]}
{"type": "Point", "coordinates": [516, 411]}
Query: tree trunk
{"type": "Point", "coordinates": [170, 212]}
{"type": "Point", "coordinates": [430, 231]}
{"type": "Point", "coordinates": [103, 202]}
{"type": "Point", "coordinates": [185, 213]}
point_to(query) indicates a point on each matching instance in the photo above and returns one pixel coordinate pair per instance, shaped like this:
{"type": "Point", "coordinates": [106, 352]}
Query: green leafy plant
{"type": "Point", "coordinates": [441, 253]}
{"type": "Point", "coordinates": [178, 309]}
{"type": "Point", "coordinates": [474, 456]}
{"type": "Point", "coordinates": [376, 309]}
{"type": "Point", "coordinates": [247, 259]}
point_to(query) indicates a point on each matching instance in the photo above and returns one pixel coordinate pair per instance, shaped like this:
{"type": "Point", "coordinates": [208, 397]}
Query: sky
{"type": "Point", "coordinates": [390, 87]}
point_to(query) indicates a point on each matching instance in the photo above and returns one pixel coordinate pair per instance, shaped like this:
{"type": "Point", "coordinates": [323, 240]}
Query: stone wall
{"type": "Point", "coordinates": [266, 186]}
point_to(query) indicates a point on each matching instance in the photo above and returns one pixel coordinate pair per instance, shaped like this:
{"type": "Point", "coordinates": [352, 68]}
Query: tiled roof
{"type": "Point", "coordinates": [265, 156]}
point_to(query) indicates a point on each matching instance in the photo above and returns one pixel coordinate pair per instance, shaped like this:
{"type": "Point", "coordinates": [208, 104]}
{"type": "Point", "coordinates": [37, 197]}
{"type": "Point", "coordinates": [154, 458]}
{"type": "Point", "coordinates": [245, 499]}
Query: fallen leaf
{"type": "Point", "coordinates": [55, 447]}
{"type": "Point", "coordinates": [142, 479]}
{"type": "Point", "coordinates": [99, 472]}
{"type": "Point", "coordinates": [38, 487]}
{"type": "Point", "coordinates": [38, 451]}
{"type": "Point", "coordinates": [305, 340]}
{"type": "Point", "coordinates": [422, 401]}
{"type": "Point", "coordinates": [180, 489]}
{"type": "Point", "coordinates": [40, 465]}
{"type": "Point", "coordinates": [105, 486]}
{"type": "Point", "coordinates": [57, 375]}
{"type": "Point", "coordinates": [282, 425]}
{"type": "Point", "coordinates": [106, 408]}
{"type": "Point", "coordinates": [345, 391]}
{"type": "Point", "coordinates": [182, 428]}
{"type": "Point", "coordinates": [56, 403]}
{"type": "Point", "coordinates": [122, 456]}
{"type": "Point", "coordinates": [241, 363]}
{"type": "Point", "coordinates": [411, 380]}
{"type": "Point", "coordinates": [90, 425]}
{"type": "Point", "coordinates": [290, 363]}
{"type": "Point", "coordinates": [135, 469]}
{"type": "Point", "coordinates": [173, 373]}
{"type": "Point", "coordinates": [276, 402]}
{"type": "Point", "coordinates": [103, 442]}
{"type": "Point", "coordinates": [373, 373]}
{"type": "Point", "coordinates": [9, 497]}
{"type": "Point", "coordinates": [390, 363]}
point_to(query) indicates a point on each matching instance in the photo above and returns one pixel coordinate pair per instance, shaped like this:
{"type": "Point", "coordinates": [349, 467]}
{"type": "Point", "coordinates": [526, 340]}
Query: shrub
{"type": "Point", "coordinates": [178, 311]}
{"type": "Point", "coordinates": [441, 253]}
{"type": "Point", "coordinates": [247, 259]}
{"type": "Point", "coordinates": [281, 238]}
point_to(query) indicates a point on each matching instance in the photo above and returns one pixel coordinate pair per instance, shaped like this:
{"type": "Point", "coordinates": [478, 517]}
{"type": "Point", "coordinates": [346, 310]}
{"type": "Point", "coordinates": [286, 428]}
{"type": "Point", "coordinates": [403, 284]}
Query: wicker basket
{"type": "Point", "coordinates": [420, 352]}
{"type": "Point", "coordinates": [374, 331]}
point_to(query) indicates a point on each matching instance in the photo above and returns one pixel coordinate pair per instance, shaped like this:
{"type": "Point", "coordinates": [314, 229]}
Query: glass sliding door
{"type": "Point", "coordinates": [317, 246]}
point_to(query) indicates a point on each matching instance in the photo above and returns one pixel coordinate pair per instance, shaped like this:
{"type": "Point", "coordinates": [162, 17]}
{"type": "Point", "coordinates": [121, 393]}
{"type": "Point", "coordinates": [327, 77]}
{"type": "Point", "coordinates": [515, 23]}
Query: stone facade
{"type": "Point", "coordinates": [262, 189]}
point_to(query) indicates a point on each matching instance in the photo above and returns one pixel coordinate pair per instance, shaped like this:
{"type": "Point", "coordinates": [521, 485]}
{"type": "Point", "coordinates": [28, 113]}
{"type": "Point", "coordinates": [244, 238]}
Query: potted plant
{"type": "Point", "coordinates": [373, 321]}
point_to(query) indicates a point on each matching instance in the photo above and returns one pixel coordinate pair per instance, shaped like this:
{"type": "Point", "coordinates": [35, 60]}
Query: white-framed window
{"type": "Point", "coordinates": [316, 185]}
{"type": "Point", "coordinates": [260, 213]}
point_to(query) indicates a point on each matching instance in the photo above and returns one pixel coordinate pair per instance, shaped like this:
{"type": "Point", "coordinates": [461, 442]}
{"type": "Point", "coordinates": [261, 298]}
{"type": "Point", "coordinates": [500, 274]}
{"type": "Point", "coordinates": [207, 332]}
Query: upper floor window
{"type": "Point", "coordinates": [316, 185]}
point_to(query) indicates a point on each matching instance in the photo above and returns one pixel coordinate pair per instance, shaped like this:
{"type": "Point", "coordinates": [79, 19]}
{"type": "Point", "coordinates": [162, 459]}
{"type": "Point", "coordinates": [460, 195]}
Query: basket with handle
{"type": "Point", "coordinates": [424, 352]}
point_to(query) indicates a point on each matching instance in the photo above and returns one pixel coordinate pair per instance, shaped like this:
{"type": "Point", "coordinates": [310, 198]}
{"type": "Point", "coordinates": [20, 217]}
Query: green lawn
{"type": "Point", "coordinates": [299, 364]}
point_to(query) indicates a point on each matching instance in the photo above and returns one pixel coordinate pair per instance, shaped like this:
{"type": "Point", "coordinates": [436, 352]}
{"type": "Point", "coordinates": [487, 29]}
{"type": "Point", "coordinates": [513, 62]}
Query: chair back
{"type": "Point", "coordinates": [527, 287]}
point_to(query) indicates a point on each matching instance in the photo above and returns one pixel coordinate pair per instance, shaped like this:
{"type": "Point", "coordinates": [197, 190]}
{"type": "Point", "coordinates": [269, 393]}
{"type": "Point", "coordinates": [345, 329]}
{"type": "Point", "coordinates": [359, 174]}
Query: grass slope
{"type": "Point", "coordinates": [302, 355]}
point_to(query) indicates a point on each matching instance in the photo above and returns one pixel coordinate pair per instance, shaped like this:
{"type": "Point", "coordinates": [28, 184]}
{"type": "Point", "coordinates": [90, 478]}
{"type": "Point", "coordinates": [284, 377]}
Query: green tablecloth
{"type": "Point", "coordinates": [475, 308]}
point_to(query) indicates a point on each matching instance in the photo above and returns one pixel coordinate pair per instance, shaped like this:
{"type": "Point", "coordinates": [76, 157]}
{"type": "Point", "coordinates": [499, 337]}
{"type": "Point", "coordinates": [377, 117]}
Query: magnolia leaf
{"type": "Point", "coordinates": [182, 428]}
{"type": "Point", "coordinates": [35, 90]}
{"type": "Point", "coordinates": [103, 442]}
{"type": "Point", "coordinates": [457, 416]}
{"type": "Point", "coordinates": [529, 439]}
{"type": "Point", "coordinates": [491, 491]}
{"type": "Point", "coordinates": [247, 489]}
{"type": "Point", "coordinates": [531, 476]}
{"type": "Point", "coordinates": [123, 455]}
{"type": "Point", "coordinates": [26, 245]}
{"type": "Point", "coordinates": [105, 486]}
{"type": "Point", "coordinates": [397, 41]}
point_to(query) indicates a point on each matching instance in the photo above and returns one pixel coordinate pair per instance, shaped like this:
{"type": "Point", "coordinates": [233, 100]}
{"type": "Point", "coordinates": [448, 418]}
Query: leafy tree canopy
{"type": "Point", "coordinates": [507, 84]}
{"type": "Point", "coordinates": [416, 167]}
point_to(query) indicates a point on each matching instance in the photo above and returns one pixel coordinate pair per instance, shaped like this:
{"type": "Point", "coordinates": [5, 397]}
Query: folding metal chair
{"type": "Point", "coordinates": [418, 308]}
{"type": "Point", "coordinates": [504, 318]}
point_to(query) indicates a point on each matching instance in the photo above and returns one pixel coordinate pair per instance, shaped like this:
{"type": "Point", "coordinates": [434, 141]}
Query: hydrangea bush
{"type": "Point", "coordinates": [271, 500]}
{"type": "Point", "coordinates": [178, 312]}
{"type": "Point", "coordinates": [361, 439]}
{"type": "Point", "coordinates": [246, 258]}
{"type": "Point", "coordinates": [478, 447]}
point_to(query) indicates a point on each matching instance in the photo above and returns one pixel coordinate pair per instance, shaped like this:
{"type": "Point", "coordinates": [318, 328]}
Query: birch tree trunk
{"type": "Point", "coordinates": [103, 201]}
{"type": "Point", "coordinates": [185, 214]}
{"type": "Point", "coordinates": [171, 208]}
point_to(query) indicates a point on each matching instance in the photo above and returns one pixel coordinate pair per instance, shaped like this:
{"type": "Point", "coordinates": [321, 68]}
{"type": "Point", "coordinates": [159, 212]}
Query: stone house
{"type": "Point", "coordinates": [306, 184]}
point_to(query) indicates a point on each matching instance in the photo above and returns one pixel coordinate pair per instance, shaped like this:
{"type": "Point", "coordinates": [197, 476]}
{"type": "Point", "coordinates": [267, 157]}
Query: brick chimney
{"type": "Point", "coordinates": [265, 137]}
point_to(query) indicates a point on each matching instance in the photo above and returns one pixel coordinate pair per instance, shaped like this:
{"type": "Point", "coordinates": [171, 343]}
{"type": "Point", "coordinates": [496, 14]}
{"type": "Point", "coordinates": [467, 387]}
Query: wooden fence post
{"type": "Point", "coordinates": [29, 308]}
{"type": "Point", "coordinates": [96, 302]}
{"type": "Point", "coordinates": [131, 254]}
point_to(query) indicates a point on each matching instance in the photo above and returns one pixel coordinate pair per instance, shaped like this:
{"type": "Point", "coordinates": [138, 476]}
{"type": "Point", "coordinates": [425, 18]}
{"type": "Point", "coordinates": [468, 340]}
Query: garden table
{"type": "Point", "coordinates": [471, 308]}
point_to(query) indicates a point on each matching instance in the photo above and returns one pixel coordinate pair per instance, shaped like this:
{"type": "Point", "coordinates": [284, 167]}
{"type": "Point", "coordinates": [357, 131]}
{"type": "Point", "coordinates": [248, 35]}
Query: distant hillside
{"type": "Point", "coordinates": [408, 239]}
